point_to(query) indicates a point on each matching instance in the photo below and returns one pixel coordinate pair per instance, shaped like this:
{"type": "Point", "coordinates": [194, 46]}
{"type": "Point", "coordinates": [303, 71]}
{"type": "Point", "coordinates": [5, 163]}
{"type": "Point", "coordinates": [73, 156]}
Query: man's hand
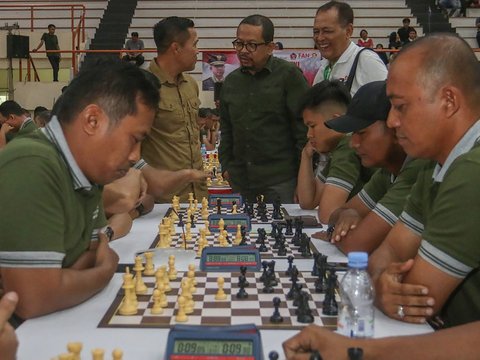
{"type": "Point", "coordinates": [105, 257]}
{"type": "Point", "coordinates": [6, 128]}
{"type": "Point", "coordinates": [347, 220]}
{"type": "Point", "coordinates": [8, 338]}
{"type": "Point", "coordinates": [308, 150]}
{"type": "Point", "coordinates": [405, 302]}
{"type": "Point", "coordinates": [311, 338]}
{"type": "Point", "coordinates": [143, 190]}
{"type": "Point", "coordinates": [198, 175]}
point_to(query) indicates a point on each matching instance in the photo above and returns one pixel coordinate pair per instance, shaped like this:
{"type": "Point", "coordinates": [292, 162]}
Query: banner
{"type": "Point", "coordinates": [307, 60]}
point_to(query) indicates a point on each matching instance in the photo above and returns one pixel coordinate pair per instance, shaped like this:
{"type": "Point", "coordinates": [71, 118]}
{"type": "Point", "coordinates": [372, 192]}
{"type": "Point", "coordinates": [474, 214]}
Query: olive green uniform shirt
{"type": "Point", "coordinates": [444, 209]}
{"type": "Point", "coordinates": [385, 194]}
{"type": "Point", "coordinates": [27, 127]}
{"type": "Point", "coordinates": [50, 212]}
{"type": "Point", "coordinates": [262, 134]}
{"type": "Point", "coordinates": [174, 141]}
{"type": "Point", "coordinates": [344, 169]}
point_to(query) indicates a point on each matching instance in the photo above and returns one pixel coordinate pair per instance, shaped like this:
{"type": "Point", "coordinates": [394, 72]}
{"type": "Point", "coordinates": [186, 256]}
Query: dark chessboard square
{"type": "Point", "coordinates": [245, 312]}
{"type": "Point", "coordinates": [269, 304]}
{"type": "Point", "coordinates": [217, 304]}
{"type": "Point", "coordinates": [214, 320]}
{"type": "Point", "coordinates": [156, 320]}
{"type": "Point", "coordinates": [286, 321]}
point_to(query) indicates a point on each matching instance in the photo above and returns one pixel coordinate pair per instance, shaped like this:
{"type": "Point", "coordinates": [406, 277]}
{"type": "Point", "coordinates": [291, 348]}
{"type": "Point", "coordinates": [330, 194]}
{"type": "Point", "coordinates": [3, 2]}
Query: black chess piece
{"type": "Point", "coordinates": [242, 294]}
{"type": "Point", "coordinates": [192, 221]}
{"type": "Point", "coordinates": [304, 312]}
{"type": "Point", "coordinates": [264, 274]}
{"type": "Point", "coordinates": [273, 233]}
{"type": "Point", "coordinates": [289, 228]}
{"type": "Point", "coordinates": [219, 206]}
{"type": "Point", "coordinates": [315, 265]}
{"type": "Point", "coordinates": [355, 353]}
{"type": "Point", "coordinates": [288, 272]}
{"type": "Point", "coordinates": [329, 305]}
{"type": "Point", "coordinates": [271, 273]}
{"type": "Point", "coordinates": [293, 292]}
{"type": "Point", "coordinates": [276, 318]}
{"type": "Point", "coordinates": [263, 247]}
{"type": "Point", "coordinates": [243, 232]}
{"type": "Point", "coordinates": [277, 211]}
{"type": "Point", "coordinates": [306, 252]}
{"type": "Point", "coordinates": [273, 355]}
{"type": "Point", "coordinates": [321, 283]}
{"type": "Point", "coordinates": [315, 355]}
{"type": "Point", "coordinates": [243, 271]}
{"type": "Point", "coordinates": [267, 286]}
{"type": "Point", "coordinates": [262, 234]}
{"type": "Point", "coordinates": [282, 250]}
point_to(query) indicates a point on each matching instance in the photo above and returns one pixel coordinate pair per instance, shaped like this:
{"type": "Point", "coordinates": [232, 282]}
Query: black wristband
{"type": "Point", "coordinates": [141, 209]}
{"type": "Point", "coordinates": [108, 233]}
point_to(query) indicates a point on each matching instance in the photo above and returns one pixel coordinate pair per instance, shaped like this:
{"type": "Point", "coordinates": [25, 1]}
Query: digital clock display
{"type": "Point", "coordinates": [231, 259]}
{"type": "Point", "coordinates": [230, 221]}
{"type": "Point", "coordinates": [213, 347]}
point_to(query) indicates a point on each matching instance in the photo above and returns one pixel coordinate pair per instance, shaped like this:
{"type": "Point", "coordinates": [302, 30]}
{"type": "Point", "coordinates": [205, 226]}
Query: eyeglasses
{"type": "Point", "coordinates": [251, 47]}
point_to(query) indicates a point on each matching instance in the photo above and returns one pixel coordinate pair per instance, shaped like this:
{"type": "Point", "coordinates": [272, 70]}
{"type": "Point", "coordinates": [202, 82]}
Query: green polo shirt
{"type": "Point", "coordinates": [386, 194]}
{"type": "Point", "coordinates": [174, 140]}
{"type": "Point", "coordinates": [262, 134]}
{"type": "Point", "coordinates": [27, 127]}
{"type": "Point", "coordinates": [344, 169]}
{"type": "Point", "coordinates": [50, 212]}
{"type": "Point", "coordinates": [444, 208]}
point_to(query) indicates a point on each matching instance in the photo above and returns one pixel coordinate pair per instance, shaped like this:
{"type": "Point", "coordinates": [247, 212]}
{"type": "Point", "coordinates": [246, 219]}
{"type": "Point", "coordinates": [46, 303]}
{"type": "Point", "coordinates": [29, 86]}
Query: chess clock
{"type": "Point", "coordinates": [237, 342]}
{"type": "Point", "coordinates": [226, 200]}
{"type": "Point", "coordinates": [231, 221]}
{"type": "Point", "coordinates": [230, 258]}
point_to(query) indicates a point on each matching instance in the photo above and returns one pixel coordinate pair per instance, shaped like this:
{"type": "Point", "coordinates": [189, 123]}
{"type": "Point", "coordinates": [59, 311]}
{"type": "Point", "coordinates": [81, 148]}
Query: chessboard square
{"type": "Point", "coordinates": [267, 298]}
{"type": "Point", "coordinates": [212, 312]}
{"type": "Point", "coordinates": [268, 311]}
{"type": "Point", "coordinates": [269, 304]}
{"type": "Point", "coordinates": [216, 320]}
{"type": "Point", "coordinates": [192, 320]}
{"type": "Point", "coordinates": [160, 320]}
{"type": "Point", "coordinates": [246, 320]}
{"type": "Point", "coordinates": [210, 302]}
{"type": "Point", "coordinates": [210, 293]}
{"type": "Point", "coordinates": [245, 312]}
{"type": "Point", "coordinates": [267, 324]}
{"type": "Point", "coordinates": [126, 320]}
{"type": "Point", "coordinates": [249, 303]}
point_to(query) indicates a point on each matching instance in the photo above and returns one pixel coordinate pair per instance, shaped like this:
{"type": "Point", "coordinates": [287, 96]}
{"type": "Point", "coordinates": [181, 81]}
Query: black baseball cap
{"type": "Point", "coordinates": [368, 105]}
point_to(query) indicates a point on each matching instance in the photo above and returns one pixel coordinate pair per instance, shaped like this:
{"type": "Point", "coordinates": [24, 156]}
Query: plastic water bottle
{"type": "Point", "coordinates": [356, 318]}
{"type": "Point", "coordinates": [203, 150]}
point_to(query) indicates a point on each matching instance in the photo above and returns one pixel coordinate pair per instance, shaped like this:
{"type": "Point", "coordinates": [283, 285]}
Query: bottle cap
{"type": "Point", "coordinates": [357, 259]}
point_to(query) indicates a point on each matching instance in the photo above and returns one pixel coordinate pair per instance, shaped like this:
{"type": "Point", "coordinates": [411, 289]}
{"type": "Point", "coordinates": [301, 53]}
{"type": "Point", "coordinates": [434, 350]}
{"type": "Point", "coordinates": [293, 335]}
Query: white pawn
{"type": "Point", "coordinates": [181, 316]}
{"type": "Point", "coordinates": [172, 273]}
{"type": "Point", "coordinates": [191, 274]}
{"type": "Point", "coordinates": [149, 267]}
{"type": "Point", "coordinates": [129, 303]}
{"type": "Point", "coordinates": [238, 235]}
{"type": "Point", "coordinates": [221, 225]}
{"type": "Point", "coordinates": [234, 209]}
{"type": "Point", "coordinates": [188, 231]}
{"type": "Point", "coordinates": [117, 354]}
{"type": "Point", "coordinates": [166, 279]}
{"type": "Point", "coordinates": [140, 287]}
{"type": "Point", "coordinates": [220, 295]}
{"type": "Point", "coordinates": [163, 297]}
{"type": "Point", "coordinates": [207, 228]}
{"type": "Point", "coordinates": [157, 306]}
{"type": "Point", "coordinates": [75, 348]}
{"type": "Point", "coordinates": [97, 354]}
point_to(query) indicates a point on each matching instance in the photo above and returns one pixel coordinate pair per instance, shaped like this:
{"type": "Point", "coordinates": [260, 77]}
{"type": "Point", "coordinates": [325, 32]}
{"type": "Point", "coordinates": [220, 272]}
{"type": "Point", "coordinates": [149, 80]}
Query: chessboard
{"type": "Point", "coordinates": [271, 251]}
{"type": "Point", "coordinates": [257, 308]}
{"type": "Point", "coordinates": [253, 220]}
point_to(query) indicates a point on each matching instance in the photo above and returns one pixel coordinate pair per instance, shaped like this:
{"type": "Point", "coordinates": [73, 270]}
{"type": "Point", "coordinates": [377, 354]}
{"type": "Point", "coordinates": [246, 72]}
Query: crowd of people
{"type": "Point", "coordinates": [390, 161]}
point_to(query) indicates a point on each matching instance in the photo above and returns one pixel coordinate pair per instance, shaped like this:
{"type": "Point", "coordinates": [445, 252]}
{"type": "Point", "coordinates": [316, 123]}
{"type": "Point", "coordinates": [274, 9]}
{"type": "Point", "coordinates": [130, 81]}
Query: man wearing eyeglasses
{"type": "Point", "coordinates": [262, 134]}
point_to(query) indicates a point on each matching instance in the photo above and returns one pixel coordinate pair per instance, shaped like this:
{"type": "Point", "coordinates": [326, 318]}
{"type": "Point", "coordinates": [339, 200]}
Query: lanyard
{"type": "Point", "coordinates": [327, 72]}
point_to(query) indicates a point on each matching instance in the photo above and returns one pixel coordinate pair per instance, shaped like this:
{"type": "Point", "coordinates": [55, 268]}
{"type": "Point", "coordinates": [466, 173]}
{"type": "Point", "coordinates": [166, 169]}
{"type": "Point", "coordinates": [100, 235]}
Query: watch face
{"type": "Point", "coordinates": [108, 233]}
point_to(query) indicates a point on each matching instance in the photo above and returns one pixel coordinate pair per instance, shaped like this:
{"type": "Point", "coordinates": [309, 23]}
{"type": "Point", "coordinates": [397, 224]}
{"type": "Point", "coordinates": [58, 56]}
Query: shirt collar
{"type": "Point", "coordinates": [163, 76]}
{"type": "Point", "coordinates": [463, 146]}
{"type": "Point", "coordinates": [54, 133]}
{"type": "Point", "coordinates": [25, 123]}
{"type": "Point", "coordinates": [346, 55]}
{"type": "Point", "coordinates": [267, 66]}
{"type": "Point", "coordinates": [405, 162]}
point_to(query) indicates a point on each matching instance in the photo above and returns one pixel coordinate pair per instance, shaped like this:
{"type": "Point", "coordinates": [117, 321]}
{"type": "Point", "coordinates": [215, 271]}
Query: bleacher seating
{"type": "Point", "coordinates": [465, 26]}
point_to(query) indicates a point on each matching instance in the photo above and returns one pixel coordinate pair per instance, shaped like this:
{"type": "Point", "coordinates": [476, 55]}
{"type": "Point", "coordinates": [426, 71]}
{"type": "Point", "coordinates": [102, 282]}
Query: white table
{"type": "Point", "coordinates": [47, 336]}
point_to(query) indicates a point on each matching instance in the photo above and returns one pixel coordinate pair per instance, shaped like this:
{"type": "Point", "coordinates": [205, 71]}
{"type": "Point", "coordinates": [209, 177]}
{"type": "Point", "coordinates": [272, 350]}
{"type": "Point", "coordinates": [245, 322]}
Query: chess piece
{"type": "Point", "coordinates": [98, 354]}
{"type": "Point", "coordinates": [149, 267]}
{"type": "Point", "coordinates": [290, 265]}
{"type": "Point", "coordinates": [191, 274]}
{"type": "Point", "coordinates": [315, 355]}
{"type": "Point", "coordinates": [75, 348]}
{"type": "Point", "coordinates": [207, 228]}
{"type": "Point", "coordinates": [140, 287]}
{"type": "Point", "coordinates": [234, 209]}
{"type": "Point", "coordinates": [188, 231]}
{"type": "Point", "coordinates": [221, 225]}
{"type": "Point", "coordinates": [272, 355]}
{"type": "Point", "coordinates": [276, 318]}
{"type": "Point", "coordinates": [65, 357]}
{"type": "Point", "coordinates": [238, 235]}
{"type": "Point", "coordinates": [304, 314]}
{"type": "Point", "coordinates": [117, 354]}
{"type": "Point", "coordinates": [220, 295]}
{"type": "Point", "coordinates": [242, 294]}
{"type": "Point", "coordinates": [219, 206]}
{"type": "Point", "coordinates": [189, 303]}
{"type": "Point", "coordinates": [172, 273]}
{"type": "Point", "coordinates": [355, 353]}
{"type": "Point", "coordinates": [129, 305]}
{"type": "Point", "coordinates": [163, 297]}
{"type": "Point", "coordinates": [157, 306]}
{"type": "Point", "coordinates": [181, 316]}
{"type": "Point", "coordinates": [190, 198]}
{"type": "Point", "coordinates": [243, 271]}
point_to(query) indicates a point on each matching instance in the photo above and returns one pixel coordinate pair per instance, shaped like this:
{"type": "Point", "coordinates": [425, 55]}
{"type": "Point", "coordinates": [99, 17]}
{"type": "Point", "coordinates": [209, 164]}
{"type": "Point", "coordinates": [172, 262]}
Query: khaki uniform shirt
{"type": "Point", "coordinates": [174, 141]}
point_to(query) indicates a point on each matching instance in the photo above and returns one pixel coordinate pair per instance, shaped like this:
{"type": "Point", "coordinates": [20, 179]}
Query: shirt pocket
{"type": "Point", "coordinates": [169, 119]}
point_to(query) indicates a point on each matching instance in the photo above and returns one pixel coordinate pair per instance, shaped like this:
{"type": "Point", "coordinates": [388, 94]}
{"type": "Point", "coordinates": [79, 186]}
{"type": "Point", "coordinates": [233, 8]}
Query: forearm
{"type": "Point", "coordinates": [309, 189]}
{"type": "Point", "coordinates": [120, 224]}
{"type": "Point", "coordinates": [165, 181]}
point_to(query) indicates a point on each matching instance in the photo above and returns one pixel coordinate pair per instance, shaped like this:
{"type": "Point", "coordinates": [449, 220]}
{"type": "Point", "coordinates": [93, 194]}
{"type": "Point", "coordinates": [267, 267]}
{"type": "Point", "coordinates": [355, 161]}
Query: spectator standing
{"type": "Point", "coordinates": [134, 44]}
{"type": "Point", "coordinates": [332, 30]}
{"type": "Point", "coordinates": [477, 24]}
{"type": "Point", "coordinates": [174, 141]}
{"type": "Point", "coordinates": [262, 133]}
{"type": "Point", "coordinates": [51, 43]}
{"type": "Point", "coordinates": [364, 40]}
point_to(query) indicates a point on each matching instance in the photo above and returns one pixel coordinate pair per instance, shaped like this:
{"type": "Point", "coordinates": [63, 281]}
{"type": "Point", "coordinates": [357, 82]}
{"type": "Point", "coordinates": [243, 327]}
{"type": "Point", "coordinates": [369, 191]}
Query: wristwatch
{"type": "Point", "coordinates": [108, 231]}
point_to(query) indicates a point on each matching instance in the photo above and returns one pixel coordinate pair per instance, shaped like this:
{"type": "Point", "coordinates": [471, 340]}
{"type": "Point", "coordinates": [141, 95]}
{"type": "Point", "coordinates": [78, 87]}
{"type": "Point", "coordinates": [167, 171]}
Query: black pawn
{"type": "Point", "coordinates": [263, 247]}
{"type": "Point", "coordinates": [276, 318]}
{"type": "Point", "coordinates": [243, 271]}
{"type": "Point", "coordinates": [273, 355]}
{"type": "Point", "coordinates": [192, 221]}
{"type": "Point", "coordinates": [241, 294]}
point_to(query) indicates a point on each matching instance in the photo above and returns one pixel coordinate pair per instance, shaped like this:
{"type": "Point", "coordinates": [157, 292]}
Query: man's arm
{"type": "Point", "coordinates": [333, 197]}
{"type": "Point", "coordinates": [43, 291]}
{"type": "Point", "coordinates": [225, 149]}
{"type": "Point", "coordinates": [123, 194]}
{"type": "Point", "coordinates": [4, 130]}
{"type": "Point", "coordinates": [39, 45]}
{"type": "Point", "coordinates": [460, 342]}
{"type": "Point", "coordinates": [165, 181]}
{"type": "Point", "coordinates": [309, 187]}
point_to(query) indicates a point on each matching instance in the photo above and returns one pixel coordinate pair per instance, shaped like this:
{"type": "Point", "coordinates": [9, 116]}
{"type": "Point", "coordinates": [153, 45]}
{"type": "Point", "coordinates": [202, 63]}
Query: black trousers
{"type": "Point", "coordinates": [55, 62]}
{"type": "Point", "coordinates": [139, 59]}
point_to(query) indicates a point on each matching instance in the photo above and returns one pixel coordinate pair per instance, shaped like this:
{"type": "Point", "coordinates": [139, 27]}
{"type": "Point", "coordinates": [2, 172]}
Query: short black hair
{"type": "Point", "coordinates": [345, 12]}
{"type": "Point", "coordinates": [169, 30]}
{"type": "Point", "coordinates": [263, 21]}
{"type": "Point", "coordinates": [113, 85]}
{"type": "Point", "coordinates": [51, 25]}
{"type": "Point", "coordinates": [38, 110]}
{"type": "Point", "coordinates": [406, 20]}
{"type": "Point", "coordinates": [11, 107]}
{"type": "Point", "coordinates": [324, 92]}
{"type": "Point", "coordinates": [135, 33]}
